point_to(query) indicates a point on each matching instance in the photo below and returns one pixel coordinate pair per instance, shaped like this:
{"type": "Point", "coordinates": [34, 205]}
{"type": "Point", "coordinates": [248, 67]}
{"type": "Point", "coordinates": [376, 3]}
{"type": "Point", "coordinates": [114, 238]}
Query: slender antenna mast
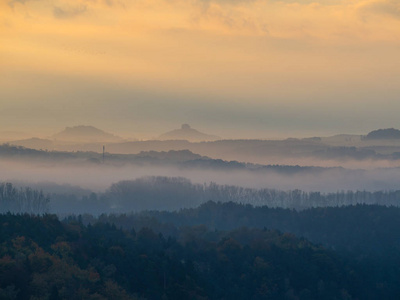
{"type": "Point", "coordinates": [104, 147]}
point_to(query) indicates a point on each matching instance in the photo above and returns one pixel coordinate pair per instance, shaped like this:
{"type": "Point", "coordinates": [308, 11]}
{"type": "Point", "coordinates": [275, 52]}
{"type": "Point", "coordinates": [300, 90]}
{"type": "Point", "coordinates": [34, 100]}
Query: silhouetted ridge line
{"type": "Point", "coordinates": [189, 134]}
{"type": "Point", "coordinates": [84, 133]}
{"type": "Point", "coordinates": [383, 134]}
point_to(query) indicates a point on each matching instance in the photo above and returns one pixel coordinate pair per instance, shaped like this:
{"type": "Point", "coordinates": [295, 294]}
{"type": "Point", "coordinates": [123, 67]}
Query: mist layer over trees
{"type": "Point", "coordinates": [87, 170]}
{"type": "Point", "coordinates": [171, 193]}
{"type": "Point", "coordinates": [174, 193]}
{"type": "Point", "coordinates": [23, 200]}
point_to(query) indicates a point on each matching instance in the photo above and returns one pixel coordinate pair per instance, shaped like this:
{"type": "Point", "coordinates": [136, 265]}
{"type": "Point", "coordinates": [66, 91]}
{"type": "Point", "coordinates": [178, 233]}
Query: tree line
{"type": "Point", "coordinates": [174, 193]}
{"type": "Point", "coordinates": [22, 200]}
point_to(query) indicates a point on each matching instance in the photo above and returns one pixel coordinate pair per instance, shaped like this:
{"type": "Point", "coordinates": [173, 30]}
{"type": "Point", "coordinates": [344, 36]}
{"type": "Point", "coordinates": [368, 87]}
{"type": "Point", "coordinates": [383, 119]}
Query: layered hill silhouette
{"type": "Point", "coordinates": [383, 134]}
{"type": "Point", "coordinates": [85, 134]}
{"type": "Point", "coordinates": [34, 143]}
{"type": "Point", "coordinates": [189, 134]}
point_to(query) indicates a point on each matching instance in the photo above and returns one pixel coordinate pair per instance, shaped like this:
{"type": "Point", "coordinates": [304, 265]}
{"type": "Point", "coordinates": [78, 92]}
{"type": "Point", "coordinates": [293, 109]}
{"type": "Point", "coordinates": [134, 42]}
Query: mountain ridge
{"type": "Point", "coordinates": [189, 134]}
{"type": "Point", "coordinates": [85, 133]}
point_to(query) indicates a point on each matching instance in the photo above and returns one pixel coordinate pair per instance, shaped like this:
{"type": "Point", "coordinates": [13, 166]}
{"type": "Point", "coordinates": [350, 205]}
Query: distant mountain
{"type": "Point", "coordinates": [189, 134]}
{"type": "Point", "coordinates": [85, 134]}
{"type": "Point", "coordinates": [384, 134]}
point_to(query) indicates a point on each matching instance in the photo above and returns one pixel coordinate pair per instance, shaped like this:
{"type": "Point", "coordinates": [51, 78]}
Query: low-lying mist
{"type": "Point", "coordinates": [323, 152]}
{"type": "Point", "coordinates": [170, 194]}
{"type": "Point", "coordinates": [348, 163]}
{"type": "Point", "coordinates": [98, 177]}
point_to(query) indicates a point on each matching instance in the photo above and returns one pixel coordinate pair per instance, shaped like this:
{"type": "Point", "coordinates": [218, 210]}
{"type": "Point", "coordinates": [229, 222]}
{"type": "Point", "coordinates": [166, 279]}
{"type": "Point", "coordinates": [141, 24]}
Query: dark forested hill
{"type": "Point", "coordinates": [359, 229]}
{"type": "Point", "coordinates": [41, 258]}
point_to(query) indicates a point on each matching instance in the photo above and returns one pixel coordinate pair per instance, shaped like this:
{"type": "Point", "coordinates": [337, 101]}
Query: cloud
{"type": "Point", "coordinates": [245, 2]}
{"type": "Point", "coordinates": [263, 51]}
{"type": "Point", "coordinates": [69, 12]}
{"type": "Point", "coordinates": [383, 7]}
{"type": "Point", "coordinates": [13, 2]}
{"type": "Point", "coordinates": [226, 1]}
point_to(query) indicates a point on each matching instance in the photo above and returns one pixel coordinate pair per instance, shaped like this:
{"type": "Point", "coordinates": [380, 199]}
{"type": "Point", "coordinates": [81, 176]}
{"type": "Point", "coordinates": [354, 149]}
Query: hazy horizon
{"type": "Point", "coordinates": [236, 69]}
{"type": "Point", "coordinates": [17, 133]}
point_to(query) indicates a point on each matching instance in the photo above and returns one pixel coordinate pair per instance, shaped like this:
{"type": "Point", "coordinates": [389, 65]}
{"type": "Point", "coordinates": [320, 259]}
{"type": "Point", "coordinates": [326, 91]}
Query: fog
{"type": "Point", "coordinates": [98, 177]}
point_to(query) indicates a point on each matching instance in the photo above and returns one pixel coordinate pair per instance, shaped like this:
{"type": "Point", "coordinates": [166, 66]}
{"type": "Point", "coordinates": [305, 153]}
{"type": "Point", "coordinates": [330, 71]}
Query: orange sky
{"type": "Point", "coordinates": [142, 65]}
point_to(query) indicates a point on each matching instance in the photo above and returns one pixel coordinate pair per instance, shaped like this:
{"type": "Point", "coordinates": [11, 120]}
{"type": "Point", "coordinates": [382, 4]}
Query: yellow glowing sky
{"type": "Point", "coordinates": [252, 67]}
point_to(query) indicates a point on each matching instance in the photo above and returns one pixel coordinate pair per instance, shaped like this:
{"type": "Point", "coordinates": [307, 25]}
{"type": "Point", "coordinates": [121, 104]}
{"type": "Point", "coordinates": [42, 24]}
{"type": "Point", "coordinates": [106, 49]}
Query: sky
{"type": "Point", "coordinates": [234, 68]}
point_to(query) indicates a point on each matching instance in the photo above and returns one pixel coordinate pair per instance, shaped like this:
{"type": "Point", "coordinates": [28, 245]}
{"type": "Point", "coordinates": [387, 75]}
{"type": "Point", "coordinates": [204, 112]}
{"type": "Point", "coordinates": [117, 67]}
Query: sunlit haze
{"type": "Point", "coordinates": [236, 69]}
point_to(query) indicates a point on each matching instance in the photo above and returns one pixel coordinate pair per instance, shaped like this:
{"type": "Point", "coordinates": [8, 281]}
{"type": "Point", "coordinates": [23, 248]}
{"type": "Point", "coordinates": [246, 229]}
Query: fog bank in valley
{"type": "Point", "coordinates": [99, 177]}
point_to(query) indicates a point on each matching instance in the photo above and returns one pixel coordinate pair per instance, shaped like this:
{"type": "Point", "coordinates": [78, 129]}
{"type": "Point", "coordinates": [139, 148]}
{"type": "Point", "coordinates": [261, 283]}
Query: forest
{"type": "Point", "coordinates": [44, 258]}
{"type": "Point", "coordinates": [214, 250]}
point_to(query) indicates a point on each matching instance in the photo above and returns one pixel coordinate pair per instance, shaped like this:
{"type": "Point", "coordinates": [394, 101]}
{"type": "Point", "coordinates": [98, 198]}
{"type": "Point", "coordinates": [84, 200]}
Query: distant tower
{"type": "Point", "coordinates": [104, 147]}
